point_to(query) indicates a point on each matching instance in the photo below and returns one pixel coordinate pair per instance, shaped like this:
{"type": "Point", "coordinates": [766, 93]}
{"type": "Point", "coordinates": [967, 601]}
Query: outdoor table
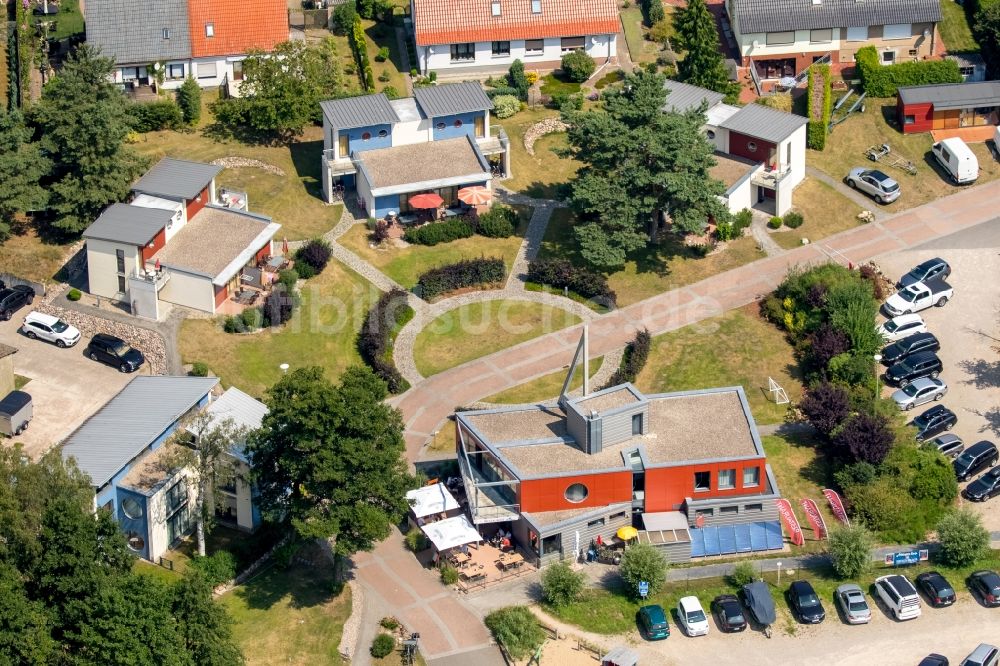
{"type": "Point", "coordinates": [450, 212]}
{"type": "Point", "coordinates": [461, 558]}
{"type": "Point", "coordinates": [510, 560]}
{"type": "Point", "coordinates": [276, 263]}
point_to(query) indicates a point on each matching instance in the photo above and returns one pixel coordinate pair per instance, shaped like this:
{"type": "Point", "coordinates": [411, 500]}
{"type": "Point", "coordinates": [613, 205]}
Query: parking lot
{"type": "Point", "coordinates": [66, 387]}
{"type": "Point", "coordinates": [967, 327]}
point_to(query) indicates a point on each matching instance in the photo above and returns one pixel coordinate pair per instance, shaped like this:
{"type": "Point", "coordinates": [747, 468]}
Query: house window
{"type": "Point", "coordinates": [897, 31]}
{"type": "Point", "coordinates": [572, 44]}
{"type": "Point", "coordinates": [500, 49]}
{"type": "Point", "coordinates": [496, 8]}
{"type": "Point", "coordinates": [166, 33]}
{"type": "Point", "coordinates": [857, 34]}
{"type": "Point", "coordinates": [551, 544]}
{"type": "Point", "coordinates": [637, 424]}
{"type": "Point", "coordinates": [751, 477]}
{"type": "Point", "coordinates": [753, 508]}
{"type": "Point", "coordinates": [707, 513]}
{"type": "Point", "coordinates": [966, 72]}
{"type": "Point", "coordinates": [534, 46]}
{"type": "Point", "coordinates": [210, 30]}
{"type": "Point", "coordinates": [131, 508]}
{"type": "Point", "coordinates": [788, 155]}
{"type": "Point", "coordinates": [821, 36]}
{"type": "Point", "coordinates": [178, 525]}
{"type": "Point", "coordinates": [710, 134]}
{"type": "Point", "coordinates": [238, 70]}
{"type": "Point", "coordinates": [134, 541]}
{"type": "Point", "coordinates": [702, 481]}
{"type": "Point", "coordinates": [121, 284]}
{"type": "Point", "coordinates": [536, 6]}
{"type": "Point", "coordinates": [752, 146]}
{"type": "Point", "coordinates": [729, 510]}
{"type": "Point", "coordinates": [778, 38]}
{"type": "Point", "coordinates": [175, 71]}
{"type": "Point", "coordinates": [383, 133]}
{"type": "Point", "coordinates": [366, 136]}
{"type": "Point", "coordinates": [596, 523]}
{"type": "Point", "coordinates": [440, 126]}
{"type": "Point", "coordinates": [618, 516]}
{"type": "Point", "coordinates": [458, 123]}
{"type": "Point", "coordinates": [463, 52]}
{"type": "Point", "coordinates": [888, 57]}
{"type": "Point", "coordinates": [576, 492]}
{"type": "Point", "coordinates": [176, 496]}
{"type": "Point", "coordinates": [909, 120]}
{"type": "Point", "coordinates": [120, 260]}
{"type": "Point", "coordinates": [207, 70]}
{"type": "Point", "coordinates": [727, 479]}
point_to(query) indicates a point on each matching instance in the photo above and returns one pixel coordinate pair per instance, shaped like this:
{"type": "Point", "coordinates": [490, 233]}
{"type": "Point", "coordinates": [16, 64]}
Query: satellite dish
{"type": "Point", "coordinates": [755, 44]}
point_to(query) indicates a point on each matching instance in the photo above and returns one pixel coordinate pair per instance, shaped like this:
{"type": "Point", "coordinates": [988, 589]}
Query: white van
{"type": "Point", "coordinates": [957, 159]}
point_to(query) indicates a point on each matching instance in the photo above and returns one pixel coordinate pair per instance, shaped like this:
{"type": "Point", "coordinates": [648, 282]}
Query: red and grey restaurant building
{"type": "Point", "coordinates": [686, 469]}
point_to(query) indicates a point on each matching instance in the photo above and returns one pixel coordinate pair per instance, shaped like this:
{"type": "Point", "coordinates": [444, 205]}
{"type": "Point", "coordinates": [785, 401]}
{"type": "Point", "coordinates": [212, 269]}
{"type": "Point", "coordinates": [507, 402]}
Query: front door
{"type": "Point", "coordinates": [938, 121]}
{"type": "Point", "coordinates": [480, 127]}
{"type": "Point", "coordinates": [345, 143]}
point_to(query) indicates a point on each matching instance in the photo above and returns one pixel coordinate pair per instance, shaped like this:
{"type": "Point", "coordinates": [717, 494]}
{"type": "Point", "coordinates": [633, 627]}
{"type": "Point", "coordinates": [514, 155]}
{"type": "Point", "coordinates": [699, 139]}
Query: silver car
{"type": "Point", "coordinates": [878, 185]}
{"type": "Point", "coordinates": [852, 602]}
{"type": "Point", "coordinates": [921, 391]}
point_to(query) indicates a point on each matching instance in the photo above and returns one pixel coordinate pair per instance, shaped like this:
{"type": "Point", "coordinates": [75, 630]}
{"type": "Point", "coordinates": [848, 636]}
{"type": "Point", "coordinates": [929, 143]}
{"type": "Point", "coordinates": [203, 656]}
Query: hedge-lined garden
{"type": "Point", "coordinates": [383, 321]}
{"type": "Point", "coordinates": [880, 80]}
{"type": "Point", "coordinates": [360, 48]}
{"type": "Point", "coordinates": [498, 222]}
{"type": "Point", "coordinates": [818, 103]}
{"type": "Point", "coordinates": [562, 274]}
{"type": "Point", "coordinates": [486, 272]}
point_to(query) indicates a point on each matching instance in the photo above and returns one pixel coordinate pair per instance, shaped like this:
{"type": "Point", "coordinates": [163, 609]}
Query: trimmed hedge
{"type": "Point", "coordinates": [502, 90]}
{"type": "Point", "coordinates": [561, 273]}
{"type": "Point", "coordinates": [880, 80]}
{"type": "Point", "coordinates": [466, 273]}
{"type": "Point", "coordinates": [316, 254]}
{"type": "Point", "coordinates": [375, 340]}
{"type": "Point", "coordinates": [633, 361]}
{"type": "Point", "coordinates": [155, 116]}
{"type": "Point", "coordinates": [817, 129]}
{"type": "Point", "coordinates": [505, 106]}
{"type": "Point", "coordinates": [440, 232]}
{"type": "Point", "coordinates": [498, 222]}
{"type": "Point", "coordinates": [360, 48]}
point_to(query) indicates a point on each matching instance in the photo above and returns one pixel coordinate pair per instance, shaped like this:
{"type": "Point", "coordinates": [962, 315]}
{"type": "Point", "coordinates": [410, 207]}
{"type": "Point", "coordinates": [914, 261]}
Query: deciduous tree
{"type": "Point", "coordinates": [703, 64]}
{"type": "Point", "coordinates": [203, 625]}
{"type": "Point", "coordinates": [962, 537]}
{"type": "Point", "coordinates": [850, 550]}
{"type": "Point", "coordinates": [22, 167]}
{"type": "Point", "coordinates": [642, 562]}
{"type": "Point", "coordinates": [865, 438]}
{"type": "Point", "coordinates": [561, 585]}
{"type": "Point", "coordinates": [826, 406]}
{"type": "Point", "coordinates": [987, 32]}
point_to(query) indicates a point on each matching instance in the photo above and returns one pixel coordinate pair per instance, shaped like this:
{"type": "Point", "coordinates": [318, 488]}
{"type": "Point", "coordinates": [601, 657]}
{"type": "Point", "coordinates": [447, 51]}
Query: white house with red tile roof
{"type": "Point", "coordinates": [464, 36]}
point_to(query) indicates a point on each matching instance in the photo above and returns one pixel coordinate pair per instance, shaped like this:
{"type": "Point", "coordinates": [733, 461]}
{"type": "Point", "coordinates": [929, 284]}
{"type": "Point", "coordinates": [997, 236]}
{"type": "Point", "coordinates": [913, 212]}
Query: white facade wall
{"type": "Point", "coordinates": [102, 267]}
{"type": "Point", "coordinates": [193, 291]}
{"type": "Point", "coordinates": [412, 131]}
{"type": "Point", "coordinates": [802, 44]}
{"type": "Point", "coordinates": [364, 191]}
{"type": "Point", "coordinates": [718, 136]}
{"type": "Point", "coordinates": [438, 57]}
{"type": "Point", "coordinates": [742, 194]}
{"type": "Point", "coordinates": [783, 198]}
{"type": "Point", "coordinates": [190, 67]}
{"type": "Point", "coordinates": [157, 512]}
{"type": "Point", "coordinates": [797, 142]}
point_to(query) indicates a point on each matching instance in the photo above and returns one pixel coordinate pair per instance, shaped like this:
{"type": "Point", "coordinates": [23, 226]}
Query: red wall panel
{"type": "Point", "coordinates": [193, 205]}
{"type": "Point", "coordinates": [739, 144]}
{"type": "Point", "coordinates": [667, 487]}
{"type": "Point", "coordinates": [923, 117]}
{"type": "Point", "coordinates": [221, 294]}
{"type": "Point", "coordinates": [549, 494]}
{"type": "Point", "coordinates": [263, 253]}
{"type": "Point", "coordinates": [157, 243]}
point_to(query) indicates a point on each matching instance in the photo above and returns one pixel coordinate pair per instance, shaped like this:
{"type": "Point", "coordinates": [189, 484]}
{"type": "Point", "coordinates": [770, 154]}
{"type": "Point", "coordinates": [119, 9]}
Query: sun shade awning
{"type": "Point", "coordinates": [430, 500]}
{"type": "Point", "coordinates": [452, 532]}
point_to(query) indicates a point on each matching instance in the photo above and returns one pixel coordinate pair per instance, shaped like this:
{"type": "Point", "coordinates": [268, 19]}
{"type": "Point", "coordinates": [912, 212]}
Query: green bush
{"type": "Point", "coordinates": [505, 106]}
{"type": "Point", "coordinates": [742, 574]}
{"type": "Point", "coordinates": [343, 17]}
{"type": "Point", "coordinates": [633, 360]}
{"type": "Point", "coordinates": [561, 585]}
{"type": "Point", "coordinates": [498, 222]}
{"type": "Point", "coordinates": [819, 124]}
{"type": "Point", "coordinates": [775, 222]}
{"type": "Point", "coordinates": [189, 101]}
{"type": "Point", "coordinates": [155, 116]}
{"type": "Point", "coordinates": [383, 645]}
{"type": "Point", "coordinates": [382, 55]}
{"type": "Point", "coordinates": [389, 623]}
{"type": "Point", "coordinates": [416, 540]}
{"type": "Point", "coordinates": [793, 220]}
{"type": "Point", "coordinates": [440, 232]}
{"type": "Point", "coordinates": [850, 550]}
{"type": "Point", "coordinates": [653, 11]}
{"type": "Point", "coordinates": [252, 318]}
{"type": "Point", "coordinates": [880, 80]}
{"type": "Point", "coordinates": [360, 48]}
{"type": "Point", "coordinates": [390, 92]}
{"type": "Point", "coordinates": [578, 66]}
{"type": "Point", "coordinates": [517, 629]}
{"type": "Point", "coordinates": [561, 273]}
{"type": "Point", "coordinates": [467, 273]}
{"type": "Point", "coordinates": [233, 324]}
{"type": "Point", "coordinates": [962, 537]}
{"type": "Point", "coordinates": [304, 271]}
{"type": "Point", "coordinates": [518, 80]}
{"type": "Point", "coordinates": [643, 562]}
{"type": "Point", "coordinates": [449, 575]}
{"type": "Point", "coordinates": [288, 278]}
{"type": "Point", "coordinates": [73, 294]}
{"type": "Point", "coordinates": [199, 369]}
{"type": "Point", "coordinates": [498, 91]}
{"type": "Point", "coordinates": [218, 568]}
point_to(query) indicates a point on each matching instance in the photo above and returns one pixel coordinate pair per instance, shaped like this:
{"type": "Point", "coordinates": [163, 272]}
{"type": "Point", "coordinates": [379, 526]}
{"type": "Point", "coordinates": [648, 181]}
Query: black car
{"type": "Point", "coordinates": [974, 459]}
{"type": "Point", "coordinates": [915, 366]}
{"type": "Point", "coordinates": [934, 659]}
{"type": "Point", "coordinates": [934, 421]}
{"type": "Point", "coordinates": [115, 352]}
{"type": "Point", "coordinates": [986, 584]}
{"type": "Point", "coordinates": [15, 298]}
{"type": "Point", "coordinates": [911, 344]}
{"type": "Point", "coordinates": [729, 613]}
{"type": "Point", "coordinates": [949, 445]}
{"type": "Point", "coordinates": [984, 487]}
{"type": "Point", "coordinates": [938, 590]}
{"type": "Point", "coordinates": [928, 270]}
{"type": "Point", "coordinates": [804, 602]}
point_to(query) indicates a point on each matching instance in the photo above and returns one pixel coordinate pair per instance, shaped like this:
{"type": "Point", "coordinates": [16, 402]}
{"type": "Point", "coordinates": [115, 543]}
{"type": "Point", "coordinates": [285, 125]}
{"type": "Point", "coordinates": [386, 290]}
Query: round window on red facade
{"type": "Point", "coordinates": [751, 146]}
{"type": "Point", "coordinates": [577, 492]}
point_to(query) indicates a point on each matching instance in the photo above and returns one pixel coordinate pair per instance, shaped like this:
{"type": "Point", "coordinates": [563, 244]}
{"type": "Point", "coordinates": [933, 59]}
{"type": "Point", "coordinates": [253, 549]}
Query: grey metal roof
{"type": "Point", "coordinates": [451, 98]}
{"type": "Point", "coordinates": [764, 123]}
{"type": "Point", "coordinates": [363, 111]}
{"type": "Point", "coordinates": [953, 95]}
{"type": "Point", "coordinates": [683, 97]}
{"type": "Point", "coordinates": [131, 31]}
{"type": "Point", "coordinates": [757, 16]}
{"type": "Point", "coordinates": [131, 421]}
{"type": "Point", "coordinates": [134, 225]}
{"type": "Point", "coordinates": [177, 179]}
{"type": "Point", "coordinates": [244, 410]}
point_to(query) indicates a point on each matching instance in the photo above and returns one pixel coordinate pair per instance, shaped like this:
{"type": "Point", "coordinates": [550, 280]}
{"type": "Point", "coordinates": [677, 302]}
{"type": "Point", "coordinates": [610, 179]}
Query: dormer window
{"type": "Point", "coordinates": [166, 33]}
{"type": "Point", "coordinates": [210, 30]}
{"type": "Point", "coordinates": [496, 8]}
{"type": "Point", "coordinates": [536, 6]}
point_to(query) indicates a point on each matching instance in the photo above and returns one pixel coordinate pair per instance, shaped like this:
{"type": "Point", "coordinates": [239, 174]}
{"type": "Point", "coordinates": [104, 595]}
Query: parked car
{"type": "Point", "coordinates": [984, 655]}
{"type": "Point", "coordinates": [974, 459]}
{"type": "Point", "coordinates": [936, 588]}
{"type": "Point", "coordinates": [915, 366]}
{"type": "Point", "coordinates": [985, 487]}
{"type": "Point", "coordinates": [878, 185]}
{"type": "Point", "coordinates": [934, 421]}
{"type": "Point", "coordinates": [919, 296]}
{"type": "Point", "coordinates": [729, 613]}
{"type": "Point", "coordinates": [38, 325]}
{"type": "Point", "coordinates": [920, 392]}
{"type": "Point", "coordinates": [926, 270]}
{"type": "Point", "coordinates": [653, 622]}
{"type": "Point", "coordinates": [899, 596]}
{"type": "Point", "coordinates": [852, 602]}
{"type": "Point", "coordinates": [804, 602]}
{"type": "Point", "coordinates": [950, 445]}
{"type": "Point", "coordinates": [957, 159]}
{"type": "Point", "coordinates": [934, 659]}
{"type": "Point", "coordinates": [115, 352]}
{"type": "Point", "coordinates": [911, 344]}
{"type": "Point", "coordinates": [691, 617]}
{"type": "Point", "coordinates": [900, 327]}
{"type": "Point", "coordinates": [15, 298]}
{"type": "Point", "coordinates": [986, 584]}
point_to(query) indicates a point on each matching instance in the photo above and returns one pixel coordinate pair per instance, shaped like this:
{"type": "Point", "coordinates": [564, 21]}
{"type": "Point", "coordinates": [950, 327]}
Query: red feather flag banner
{"type": "Point", "coordinates": [791, 522]}
{"type": "Point", "coordinates": [815, 519]}
{"type": "Point", "coordinates": [836, 505]}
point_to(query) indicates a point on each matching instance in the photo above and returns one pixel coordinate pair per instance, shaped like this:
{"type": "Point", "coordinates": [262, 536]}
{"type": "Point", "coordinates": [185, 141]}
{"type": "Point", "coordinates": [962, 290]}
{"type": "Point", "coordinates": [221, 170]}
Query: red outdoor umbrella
{"type": "Point", "coordinates": [284, 246]}
{"type": "Point", "coordinates": [475, 195]}
{"type": "Point", "coordinates": [426, 200]}
{"type": "Point", "coordinates": [156, 266]}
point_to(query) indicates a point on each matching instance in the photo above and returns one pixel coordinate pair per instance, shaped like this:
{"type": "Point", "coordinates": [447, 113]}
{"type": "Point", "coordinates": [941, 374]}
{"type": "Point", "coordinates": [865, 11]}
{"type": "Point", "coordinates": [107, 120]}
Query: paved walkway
{"type": "Point", "coordinates": [758, 229]}
{"type": "Point", "coordinates": [850, 193]}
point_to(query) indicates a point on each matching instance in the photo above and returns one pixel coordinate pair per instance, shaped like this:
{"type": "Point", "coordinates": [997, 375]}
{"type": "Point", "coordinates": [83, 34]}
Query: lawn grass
{"type": "Point", "coordinates": [955, 31]}
{"type": "Point", "coordinates": [289, 616]}
{"type": "Point", "coordinates": [20, 381]}
{"type": "Point", "coordinates": [825, 210]}
{"type": "Point", "coordinates": [444, 441]}
{"type": "Point", "coordinates": [849, 140]}
{"type": "Point", "coordinates": [378, 34]}
{"type": "Point", "coordinates": [801, 473]}
{"type": "Point", "coordinates": [406, 264]}
{"type": "Point", "coordinates": [69, 20]}
{"type": "Point", "coordinates": [479, 329]}
{"type": "Point", "coordinates": [553, 85]}
{"type": "Point", "coordinates": [30, 257]}
{"type": "Point", "coordinates": [640, 49]}
{"type": "Point", "coordinates": [735, 349]}
{"type": "Point", "coordinates": [657, 268]}
{"type": "Point", "coordinates": [539, 175]}
{"type": "Point", "coordinates": [322, 333]}
{"type": "Point", "coordinates": [546, 387]}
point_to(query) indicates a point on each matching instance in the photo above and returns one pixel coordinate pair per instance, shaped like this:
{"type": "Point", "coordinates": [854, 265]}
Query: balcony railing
{"type": "Point", "coordinates": [153, 277]}
{"type": "Point", "coordinates": [769, 178]}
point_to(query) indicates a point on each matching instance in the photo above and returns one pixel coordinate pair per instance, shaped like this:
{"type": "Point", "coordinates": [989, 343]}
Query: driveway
{"type": "Point", "coordinates": [968, 326]}
{"type": "Point", "coordinates": [66, 387]}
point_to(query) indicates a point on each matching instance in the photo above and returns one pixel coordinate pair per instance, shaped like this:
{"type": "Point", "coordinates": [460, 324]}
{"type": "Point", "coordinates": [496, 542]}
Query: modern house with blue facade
{"type": "Point", "coordinates": [126, 450]}
{"type": "Point", "coordinates": [384, 151]}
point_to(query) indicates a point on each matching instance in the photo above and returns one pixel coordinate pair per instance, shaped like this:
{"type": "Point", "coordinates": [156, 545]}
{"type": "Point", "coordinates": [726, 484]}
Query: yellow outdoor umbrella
{"type": "Point", "coordinates": [627, 533]}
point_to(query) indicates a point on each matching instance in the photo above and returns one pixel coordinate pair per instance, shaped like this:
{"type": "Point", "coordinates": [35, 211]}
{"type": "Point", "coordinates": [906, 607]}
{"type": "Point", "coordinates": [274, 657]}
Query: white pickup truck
{"type": "Point", "coordinates": [918, 296]}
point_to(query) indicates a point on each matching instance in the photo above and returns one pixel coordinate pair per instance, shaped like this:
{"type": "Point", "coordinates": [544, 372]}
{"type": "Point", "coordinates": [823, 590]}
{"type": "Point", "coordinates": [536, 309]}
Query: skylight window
{"type": "Point", "coordinates": [210, 30]}
{"type": "Point", "coordinates": [536, 6]}
{"type": "Point", "coordinates": [496, 7]}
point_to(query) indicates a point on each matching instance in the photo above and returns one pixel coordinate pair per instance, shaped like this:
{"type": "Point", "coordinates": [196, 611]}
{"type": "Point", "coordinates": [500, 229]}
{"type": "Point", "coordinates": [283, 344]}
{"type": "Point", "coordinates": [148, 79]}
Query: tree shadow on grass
{"type": "Point", "coordinates": [306, 156]}
{"type": "Point", "coordinates": [303, 586]}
